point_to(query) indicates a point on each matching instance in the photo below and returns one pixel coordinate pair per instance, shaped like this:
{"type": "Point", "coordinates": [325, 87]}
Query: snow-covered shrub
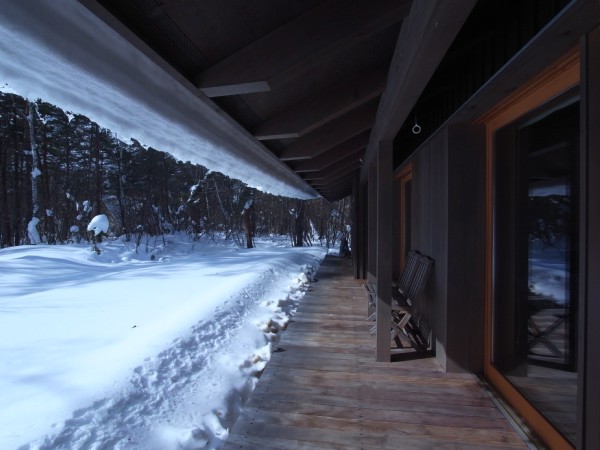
{"type": "Point", "coordinates": [97, 227]}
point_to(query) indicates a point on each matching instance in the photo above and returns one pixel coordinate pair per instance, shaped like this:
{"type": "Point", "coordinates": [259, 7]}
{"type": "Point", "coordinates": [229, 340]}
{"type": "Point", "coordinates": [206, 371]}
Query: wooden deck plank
{"type": "Point", "coordinates": [323, 389]}
{"type": "Point", "coordinates": [478, 417]}
{"type": "Point", "coordinates": [399, 429]}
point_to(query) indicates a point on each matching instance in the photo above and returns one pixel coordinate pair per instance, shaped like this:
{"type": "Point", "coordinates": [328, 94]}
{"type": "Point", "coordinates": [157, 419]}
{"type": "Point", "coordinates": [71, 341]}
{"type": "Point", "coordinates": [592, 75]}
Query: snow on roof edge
{"type": "Point", "coordinates": [61, 52]}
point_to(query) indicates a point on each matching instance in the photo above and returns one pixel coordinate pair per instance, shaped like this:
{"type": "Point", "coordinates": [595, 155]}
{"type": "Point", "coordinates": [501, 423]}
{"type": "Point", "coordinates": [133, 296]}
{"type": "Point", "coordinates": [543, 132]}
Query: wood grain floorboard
{"type": "Point", "coordinates": [322, 388]}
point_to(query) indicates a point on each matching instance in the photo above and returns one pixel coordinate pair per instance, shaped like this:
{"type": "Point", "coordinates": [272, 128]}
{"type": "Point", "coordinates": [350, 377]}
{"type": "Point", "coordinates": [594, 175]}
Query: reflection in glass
{"type": "Point", "coordinates": [535, 260]}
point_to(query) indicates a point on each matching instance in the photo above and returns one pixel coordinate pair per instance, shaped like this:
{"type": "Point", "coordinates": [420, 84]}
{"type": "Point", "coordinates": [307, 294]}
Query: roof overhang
{"type": "Point", "coordinates": [66, 54]}
{"type": "Point", "coordinates": [291, 97]}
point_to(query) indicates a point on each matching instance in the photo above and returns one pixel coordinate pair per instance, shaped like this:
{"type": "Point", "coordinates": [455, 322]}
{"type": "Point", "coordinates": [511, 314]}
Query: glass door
{"type": "Point", "coordinates": [532, 251]}
{"type": "Point", "coordinates": [535, 254]}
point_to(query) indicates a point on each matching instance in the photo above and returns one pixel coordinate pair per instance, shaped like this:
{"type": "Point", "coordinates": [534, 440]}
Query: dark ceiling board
{"type": "Point", "coordinates": [342, 188]}
{"type": "Point", "coordinates": [162, 89]}
{"type": "Point", "coordinates": [327, 177]}
{"type": "Point", "coordinates": [333, 133]}
{"type": "Point", "coordinates": [353, 149]}
{"type": "Point", "coordinates": [424, 39]}
{"type": "Point", "coordinates": [325, 63]}
{"type": "Point", "coordinates": [375, 51]}
{"type": "Point", "coordinates": [219, 28]}
{"type": "Point", "coordinates": [300, 45]}
{"type": "Point", "coordinates": [325, 105]}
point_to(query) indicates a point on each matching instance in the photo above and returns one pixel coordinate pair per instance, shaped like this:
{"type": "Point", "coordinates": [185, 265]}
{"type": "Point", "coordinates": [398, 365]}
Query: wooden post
{"type": "Point", "coordinates": [358, 214]}
{"type": "Point", "coordinates": [384, 162]}
{"type": "Point", "coordinates": [372, 224]}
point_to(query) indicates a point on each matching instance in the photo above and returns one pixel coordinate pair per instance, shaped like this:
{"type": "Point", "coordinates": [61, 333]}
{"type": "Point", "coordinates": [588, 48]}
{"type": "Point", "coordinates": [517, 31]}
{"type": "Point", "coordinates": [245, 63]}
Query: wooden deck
{"type": "Point", "coordinates": [324, 390]}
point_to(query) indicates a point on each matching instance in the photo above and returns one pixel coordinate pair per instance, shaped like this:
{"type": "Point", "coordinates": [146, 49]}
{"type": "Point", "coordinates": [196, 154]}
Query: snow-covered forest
{"type": "Point", "coordinates": [59, 169]}
{"type": "Point", "coordinates": [156, 339]}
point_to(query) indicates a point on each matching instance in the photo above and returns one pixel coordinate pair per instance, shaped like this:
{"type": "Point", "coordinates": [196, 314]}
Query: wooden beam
{"type": "Point", "coordinates": [332, 134]}
{"type": "Point", "coordinates": [426, 35]}
{"type": "Point", "coordinates": [340, 178]}
{"type": "Point", "coordinates": [338, 171]}
{"type": "Point", "coordinates": [342, 185]}
{"type": "Point", "coordinates": [339, 152]}
{"type": "Point", "coordinates": [340, 188]}
{"type": "Point", "coordinates": [291, 50]}
{"type": "Point", "coordinates": [337, 195]}
{"type": "Point", "coordinates": [384, 250]}
{"type": "Point", "coordinates": [324, 106]}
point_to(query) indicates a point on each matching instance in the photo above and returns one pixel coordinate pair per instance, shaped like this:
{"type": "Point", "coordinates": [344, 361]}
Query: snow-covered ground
{"type": "Point", "coordinates": [156, 350]}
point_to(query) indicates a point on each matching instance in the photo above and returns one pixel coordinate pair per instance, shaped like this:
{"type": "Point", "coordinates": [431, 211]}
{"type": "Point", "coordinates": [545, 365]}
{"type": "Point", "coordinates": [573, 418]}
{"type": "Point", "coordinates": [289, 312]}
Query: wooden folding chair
{"type": "Point", "coordinates": [406, 317]}
{"type": "Point", "coordinates": [402, 285]}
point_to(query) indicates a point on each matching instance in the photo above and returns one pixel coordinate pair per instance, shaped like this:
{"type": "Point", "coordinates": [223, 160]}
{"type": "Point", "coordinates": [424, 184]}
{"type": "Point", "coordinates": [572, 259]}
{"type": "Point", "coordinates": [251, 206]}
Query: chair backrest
{"type": "Point", "coordinates": [423, 267]}
{"type": "Point", "coordinates": [408, 273]}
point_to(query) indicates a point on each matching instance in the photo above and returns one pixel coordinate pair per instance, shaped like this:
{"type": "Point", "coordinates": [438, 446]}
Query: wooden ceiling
{"type": "Point", "coordinates": [304, 77]}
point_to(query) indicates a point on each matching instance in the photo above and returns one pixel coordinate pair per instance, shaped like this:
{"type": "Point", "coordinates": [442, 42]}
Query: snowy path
{"type": "Point", "coordinates": [109, 351]}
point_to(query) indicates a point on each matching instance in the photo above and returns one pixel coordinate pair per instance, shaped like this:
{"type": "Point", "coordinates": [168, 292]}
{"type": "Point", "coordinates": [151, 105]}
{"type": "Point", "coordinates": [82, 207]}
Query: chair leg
{"type": "Point", "coordinates": [420, 342]}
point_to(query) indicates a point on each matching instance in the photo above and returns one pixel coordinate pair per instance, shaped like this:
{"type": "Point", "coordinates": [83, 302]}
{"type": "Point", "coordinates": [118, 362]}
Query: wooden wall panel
{"type": "Point", "coordinates": [429, 232]}
{"type": "Point", "coordinates": [466, 255]}
{"type": "Point", "coordinates": [448, 215]}
{"type": "Point", "coordinates": [372, 224]}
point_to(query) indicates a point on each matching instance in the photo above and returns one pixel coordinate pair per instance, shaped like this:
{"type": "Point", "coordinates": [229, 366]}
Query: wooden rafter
{"type": "Point", "coordinates": [330, 158]}
{"type": "Point", "coordinates": [324, 106]}
{"type": "Point", "coordinates": [344, 168]}
{"type": "Point", "coordinates": [332, 134]}
{"type": "Point", "coordinates": [291, 50]}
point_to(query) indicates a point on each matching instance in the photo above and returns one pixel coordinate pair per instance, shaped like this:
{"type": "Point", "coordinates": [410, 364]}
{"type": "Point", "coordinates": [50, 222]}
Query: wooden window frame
{"type": "Point", "coordinates": [557, 79]}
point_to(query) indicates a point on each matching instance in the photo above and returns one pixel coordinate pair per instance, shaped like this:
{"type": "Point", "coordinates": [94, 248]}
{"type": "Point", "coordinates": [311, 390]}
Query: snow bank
{"type": "Point", "coordinates": [120, 351]}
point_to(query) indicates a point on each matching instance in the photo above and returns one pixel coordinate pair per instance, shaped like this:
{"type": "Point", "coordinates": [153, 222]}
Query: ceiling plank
{"type": "Point", "coordinates": [324, 106]}
{"type": "Point", "coordinates": [337, 194]}
{"type": "Point", "coordinates": [341, 186]}
{"type": "Point", "coordinates": [290, 50]}
{"type": "Point", "coordinates": [333, 156]}
{"type": "Point", "coordinates": [424, 39]}
{"type": "Point", "coordinates": [327, 176]}
{"type": "Point", "coordinates": [332, 134]}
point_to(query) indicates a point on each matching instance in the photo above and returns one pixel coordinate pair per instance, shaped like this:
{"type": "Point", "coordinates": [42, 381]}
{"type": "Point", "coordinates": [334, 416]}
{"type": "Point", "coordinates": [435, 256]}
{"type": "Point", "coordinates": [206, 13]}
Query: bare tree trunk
{"type": "Point", "coordinates": [299, 224]}
{"type": "Point", "coordinates": [5, 229]}
{"type": "Point", "coordinates": [249, 222]}
{"type": "Point", "coordinates": [120, 192]}
{"type": "Point", "coordinates": [32, 229]}
{"type": "Point", "coordinates": [226, 216]}
{"type": "Point", "coordinates": [98, 160]}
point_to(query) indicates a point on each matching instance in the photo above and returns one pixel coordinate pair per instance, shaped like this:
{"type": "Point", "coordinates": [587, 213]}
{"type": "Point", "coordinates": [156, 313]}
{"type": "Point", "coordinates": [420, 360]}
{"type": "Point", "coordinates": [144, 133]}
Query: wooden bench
{"type": "Point", "coordinates": [406, 317]}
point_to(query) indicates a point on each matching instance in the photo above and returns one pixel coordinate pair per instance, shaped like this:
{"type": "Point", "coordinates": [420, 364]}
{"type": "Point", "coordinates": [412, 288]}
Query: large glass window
{"type": "Point", "coordinates": [535, 253]}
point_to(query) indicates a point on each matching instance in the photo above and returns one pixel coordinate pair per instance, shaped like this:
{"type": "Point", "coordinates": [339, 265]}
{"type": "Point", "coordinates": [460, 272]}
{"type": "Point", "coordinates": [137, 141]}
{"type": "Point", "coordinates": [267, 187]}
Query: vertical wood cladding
{"type": "Point", "coordinates": [493, 34]}
{"type": "Point", "coordinates": [448, 225]}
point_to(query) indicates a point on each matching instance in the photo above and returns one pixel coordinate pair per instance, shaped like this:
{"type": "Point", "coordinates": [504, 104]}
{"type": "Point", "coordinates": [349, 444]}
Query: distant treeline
{"type": "Point", "coordinates": [58, 170]}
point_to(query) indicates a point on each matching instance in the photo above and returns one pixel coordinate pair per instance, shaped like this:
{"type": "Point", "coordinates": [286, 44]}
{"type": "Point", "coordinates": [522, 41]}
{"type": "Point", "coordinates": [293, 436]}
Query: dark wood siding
{"type": "Point", "coordinates": [466, 244]}
{"type": "Point", "coordinates": [429, 231]}
{"type": "Point", "coordinates": [448, 215]}
{"type": "Point", "coordinates": [493, 34]}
